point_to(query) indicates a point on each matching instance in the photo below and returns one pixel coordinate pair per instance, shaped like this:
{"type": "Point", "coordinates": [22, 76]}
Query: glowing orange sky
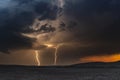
{"type": "Point", "coordinates": [109, 58]}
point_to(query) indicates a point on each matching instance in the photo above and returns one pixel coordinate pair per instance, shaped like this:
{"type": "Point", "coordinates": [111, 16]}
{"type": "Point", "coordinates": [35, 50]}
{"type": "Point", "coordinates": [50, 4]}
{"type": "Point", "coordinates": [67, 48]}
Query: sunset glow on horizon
{"type": "Point", "coordinates": [106, 58]}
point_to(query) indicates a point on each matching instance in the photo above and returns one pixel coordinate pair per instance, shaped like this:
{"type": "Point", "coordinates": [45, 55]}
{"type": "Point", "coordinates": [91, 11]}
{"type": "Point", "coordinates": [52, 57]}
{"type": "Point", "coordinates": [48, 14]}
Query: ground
{"type": "Point", "coordinates": [35, 73]}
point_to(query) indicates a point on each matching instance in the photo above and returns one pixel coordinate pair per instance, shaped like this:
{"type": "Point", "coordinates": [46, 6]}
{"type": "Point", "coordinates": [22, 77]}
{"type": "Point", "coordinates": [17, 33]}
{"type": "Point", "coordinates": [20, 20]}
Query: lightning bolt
{"type": "Point", "coordinates": [37, 57]}
{"type": "Point", "coordinates": [56, 56]}
{"type": "Point", "coordinates": [55, 60]}
{"type": "Point", "coordinates": [56, 51]}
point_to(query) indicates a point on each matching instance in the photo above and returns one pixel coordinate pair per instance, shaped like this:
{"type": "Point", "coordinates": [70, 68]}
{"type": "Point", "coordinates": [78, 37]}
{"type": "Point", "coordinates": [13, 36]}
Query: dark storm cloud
{"type": "Point", "coordinates": [17, 16]}
{"type": "Point", "coordinates": [98, 24]}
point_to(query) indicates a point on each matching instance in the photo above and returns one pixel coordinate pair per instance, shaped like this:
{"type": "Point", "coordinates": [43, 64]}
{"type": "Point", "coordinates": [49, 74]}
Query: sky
{"type": "Point", "coordinates": [59, 32]}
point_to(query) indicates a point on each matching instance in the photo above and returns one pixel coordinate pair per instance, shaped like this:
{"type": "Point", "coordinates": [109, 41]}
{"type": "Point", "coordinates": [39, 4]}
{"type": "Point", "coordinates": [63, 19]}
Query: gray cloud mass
{"type": "Point", "coordinates": [94, 22]}
{"type": "Point", "coordinates": [16, 16]}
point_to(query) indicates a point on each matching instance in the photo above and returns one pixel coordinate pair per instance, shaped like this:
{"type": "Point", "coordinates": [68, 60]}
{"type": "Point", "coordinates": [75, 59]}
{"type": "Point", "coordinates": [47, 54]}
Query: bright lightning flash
{"type": "Point", "coordinates": [56, 51]}
{"type": "Point", "coordinates": [37, 57]}
{"type": "Point", "coordinates": [50, 45]}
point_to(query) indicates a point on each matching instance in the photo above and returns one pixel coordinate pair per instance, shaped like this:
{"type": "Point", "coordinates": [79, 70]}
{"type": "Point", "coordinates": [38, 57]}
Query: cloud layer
{"type": "Point", "coordinates": [90, 27]}
{"type": "Point", "coordinates": [16, 17]}
{"type": "Point", "coordinates": [98, 25]}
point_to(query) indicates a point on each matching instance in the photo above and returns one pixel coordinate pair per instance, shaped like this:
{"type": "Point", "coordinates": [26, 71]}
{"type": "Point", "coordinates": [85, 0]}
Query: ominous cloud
{"type": "Point", "coordinates": [90, 27]}
{"type": "Point", "coordinates": [15, 18]}
{"type": "Point", "coordinates": [98, 24]}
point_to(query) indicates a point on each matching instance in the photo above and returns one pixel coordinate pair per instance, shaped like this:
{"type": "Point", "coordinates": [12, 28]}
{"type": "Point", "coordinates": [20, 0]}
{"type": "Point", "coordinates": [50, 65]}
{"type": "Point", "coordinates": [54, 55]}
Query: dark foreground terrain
{"type": "Point", "coordinates": [89, 71]}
